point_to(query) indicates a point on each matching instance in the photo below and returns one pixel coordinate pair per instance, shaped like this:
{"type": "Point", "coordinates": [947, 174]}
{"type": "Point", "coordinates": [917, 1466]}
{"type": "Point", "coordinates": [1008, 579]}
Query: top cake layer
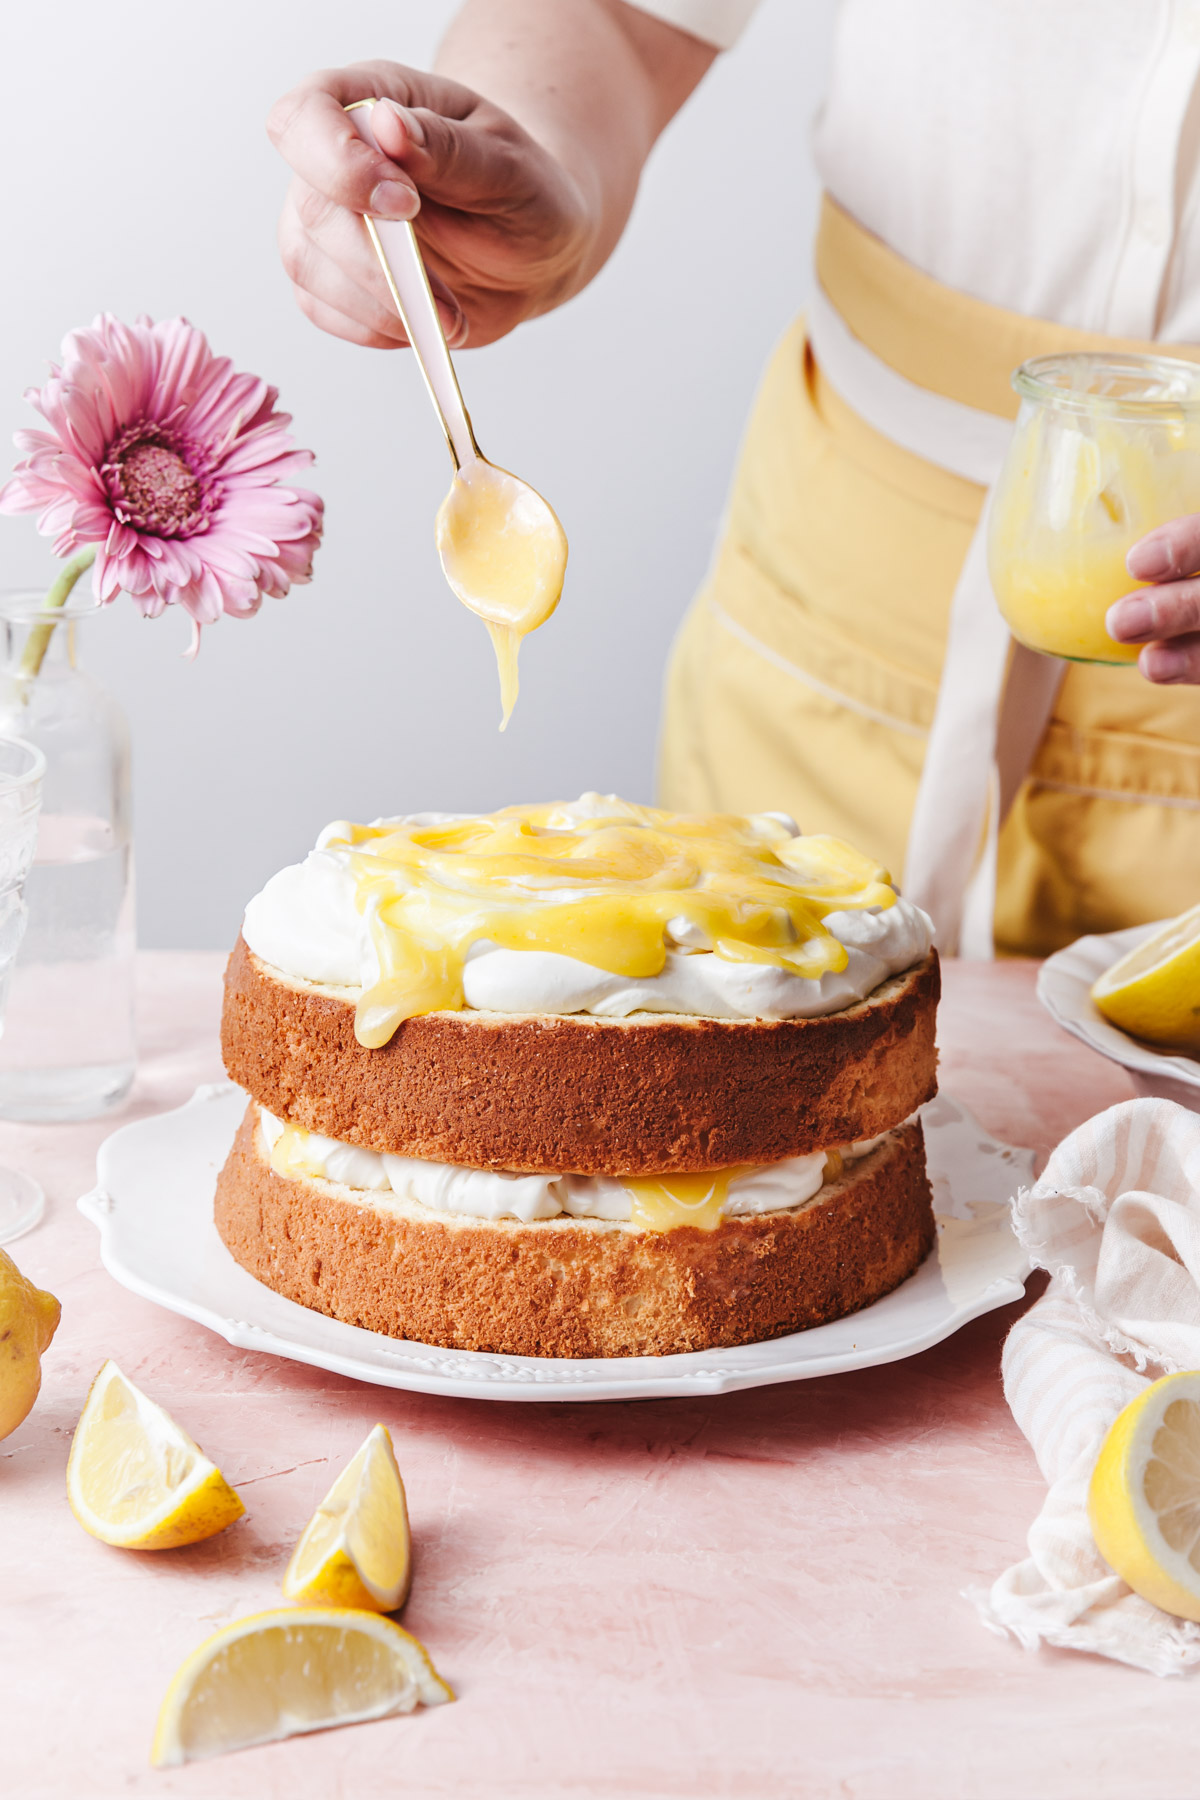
{"type": "Point", "coordinates": [597, 907]}
{"type": "Point", "coordinates": [644, 1095]}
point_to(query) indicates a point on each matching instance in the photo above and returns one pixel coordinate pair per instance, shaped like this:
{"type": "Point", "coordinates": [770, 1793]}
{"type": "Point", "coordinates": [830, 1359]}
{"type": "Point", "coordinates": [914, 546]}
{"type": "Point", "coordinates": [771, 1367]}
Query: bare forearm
{"type": "Point", "coordinates": [593, 81]}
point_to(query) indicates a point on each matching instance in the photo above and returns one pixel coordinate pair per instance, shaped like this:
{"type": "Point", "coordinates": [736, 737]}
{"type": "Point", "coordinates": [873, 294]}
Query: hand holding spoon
{"type": "Point", "coordinates": [502, 548]}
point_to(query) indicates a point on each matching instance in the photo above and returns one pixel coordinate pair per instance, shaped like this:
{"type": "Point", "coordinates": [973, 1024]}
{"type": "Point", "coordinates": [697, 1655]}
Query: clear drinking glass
{"type": "Point", "coordinates": [22, 767]}
{"type": "Point", "coordinates": [1104, 449]}
{"type": "Point", "coordinates": [67, 1051]}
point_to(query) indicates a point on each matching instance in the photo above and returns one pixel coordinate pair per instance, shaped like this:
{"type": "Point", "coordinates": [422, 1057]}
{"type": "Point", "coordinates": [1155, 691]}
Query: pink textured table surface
{"type": "Point", "coordinates": [752, 1595]}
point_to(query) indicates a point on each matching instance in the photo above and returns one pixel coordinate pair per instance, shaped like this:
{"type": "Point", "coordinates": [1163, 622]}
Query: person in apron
{"type": "Point", "coordinates": [1004, 178]}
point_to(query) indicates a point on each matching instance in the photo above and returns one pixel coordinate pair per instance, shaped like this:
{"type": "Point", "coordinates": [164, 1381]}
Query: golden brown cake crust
{"type": "Point", "coordinates": [569, 1287]}
{"type": "Point", "coordinates": [572, 1093]}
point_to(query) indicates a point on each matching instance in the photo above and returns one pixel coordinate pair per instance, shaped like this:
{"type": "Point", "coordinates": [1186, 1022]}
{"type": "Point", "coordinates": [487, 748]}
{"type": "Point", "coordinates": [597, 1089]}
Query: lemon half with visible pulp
{"type": "Point", "coordinates": [288, 1671]}
{"type": "Point", "coordinates": [1144, 1497]}
{"type": "Point", "coordinates": [135, 1479]}
{"type": "Point", "coordinates": [1153, 991]}
{"type": "Point", "coordinates": [356, 1549]}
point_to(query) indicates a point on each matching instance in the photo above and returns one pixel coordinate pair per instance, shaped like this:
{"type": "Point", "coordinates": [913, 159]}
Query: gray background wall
{"type": "Point", "coordinates": [140, 180]}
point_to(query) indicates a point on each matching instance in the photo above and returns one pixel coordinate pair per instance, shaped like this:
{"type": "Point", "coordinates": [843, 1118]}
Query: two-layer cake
{"type": "Point", "coordinates": [580, 1080]}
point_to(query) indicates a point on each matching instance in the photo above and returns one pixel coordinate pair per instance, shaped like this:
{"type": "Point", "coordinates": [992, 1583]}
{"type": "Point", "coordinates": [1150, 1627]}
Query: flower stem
{"type": "Point", "coordinates": [38, 641]}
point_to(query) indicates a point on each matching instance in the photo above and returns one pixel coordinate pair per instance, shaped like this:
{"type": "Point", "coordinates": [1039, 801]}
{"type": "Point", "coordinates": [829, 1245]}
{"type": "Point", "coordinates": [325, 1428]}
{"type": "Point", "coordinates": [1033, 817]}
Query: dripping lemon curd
{"type": "Point", "coordinates": [504, 554]}
{"type": "Point", "coordinates": [614, 891]}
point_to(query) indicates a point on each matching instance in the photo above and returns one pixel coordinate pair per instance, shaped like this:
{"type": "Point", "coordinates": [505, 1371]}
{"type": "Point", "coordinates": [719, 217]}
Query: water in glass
{"type": "Point", "coordinates": [68, 1048]}
{"type": "Point", "coordinates": [22, 768]}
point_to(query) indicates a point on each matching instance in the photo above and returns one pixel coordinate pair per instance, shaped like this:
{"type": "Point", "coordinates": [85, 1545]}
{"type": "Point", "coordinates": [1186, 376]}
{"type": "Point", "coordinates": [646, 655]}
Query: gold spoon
{"type": "Point", "coordinates": [502, 548]}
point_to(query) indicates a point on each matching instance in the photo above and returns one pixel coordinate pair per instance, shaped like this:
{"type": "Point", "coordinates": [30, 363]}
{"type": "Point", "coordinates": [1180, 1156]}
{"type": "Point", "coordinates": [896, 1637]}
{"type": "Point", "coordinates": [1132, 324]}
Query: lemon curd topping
{"type": "Point", "coordinates": [615, 890]}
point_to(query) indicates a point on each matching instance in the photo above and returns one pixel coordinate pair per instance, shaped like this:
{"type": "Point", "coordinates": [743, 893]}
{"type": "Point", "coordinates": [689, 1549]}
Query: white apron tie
{"type": "Point", "coordinates": [995, 697]}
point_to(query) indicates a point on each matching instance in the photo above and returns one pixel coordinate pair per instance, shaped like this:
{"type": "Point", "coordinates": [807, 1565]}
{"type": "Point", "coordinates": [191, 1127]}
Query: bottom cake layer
{"type": "Point", "coordinates": [577, 1287]}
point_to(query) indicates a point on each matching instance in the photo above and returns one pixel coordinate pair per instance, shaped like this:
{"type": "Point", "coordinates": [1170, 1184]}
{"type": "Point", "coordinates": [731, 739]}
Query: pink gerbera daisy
{"type": "Point", "coordinates": [175, 466]}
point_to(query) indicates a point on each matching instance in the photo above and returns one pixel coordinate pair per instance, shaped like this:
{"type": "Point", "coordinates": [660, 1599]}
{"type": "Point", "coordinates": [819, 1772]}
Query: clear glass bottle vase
{"type": "Point", "coordinates": [67, 1050]}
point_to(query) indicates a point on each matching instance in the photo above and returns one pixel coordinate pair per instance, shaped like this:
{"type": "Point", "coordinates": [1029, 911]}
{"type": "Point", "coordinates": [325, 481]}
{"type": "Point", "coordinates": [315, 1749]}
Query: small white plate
{"type": "Point", "coordinates": [153, 1206]}
{"type": "Point", "coordinates": [1065, 989]}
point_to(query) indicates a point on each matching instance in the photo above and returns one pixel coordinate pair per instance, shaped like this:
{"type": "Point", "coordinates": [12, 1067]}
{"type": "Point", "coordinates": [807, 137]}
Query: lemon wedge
{"type": "Point", "coordinates": [28, 1320]}
{"type": "Point", "coordinates": [281, 1673]}
{"type": "Point", "coordinates": [135, 1479]}
{"type": "Point", "coordinates": [1144, 1498]}
{"type": "Point", "coordinates": [1153, 992]}
{"type": "Point", "coordinates": [356, 1549]}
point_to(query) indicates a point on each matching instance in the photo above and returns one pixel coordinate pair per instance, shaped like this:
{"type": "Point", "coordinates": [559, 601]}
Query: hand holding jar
{"type": "Point", "coordinates": [1103, 467]}
{"type": "Point", "coordinates": [1164, 618]}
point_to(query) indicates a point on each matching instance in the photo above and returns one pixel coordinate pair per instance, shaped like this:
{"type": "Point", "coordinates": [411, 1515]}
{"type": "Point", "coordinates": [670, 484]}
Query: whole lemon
{"type": "Point", "coordinates": [28, 1320]}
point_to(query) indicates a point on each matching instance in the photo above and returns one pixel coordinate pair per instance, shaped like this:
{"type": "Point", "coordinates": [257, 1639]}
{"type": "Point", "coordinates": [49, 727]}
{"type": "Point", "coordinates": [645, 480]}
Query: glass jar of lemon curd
{"type": "Point", "coordinates": [1104, 449]}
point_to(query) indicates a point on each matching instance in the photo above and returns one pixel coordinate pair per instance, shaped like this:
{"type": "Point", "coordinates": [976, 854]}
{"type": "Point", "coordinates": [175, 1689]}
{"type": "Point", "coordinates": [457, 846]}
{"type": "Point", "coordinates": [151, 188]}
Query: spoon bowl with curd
{"type": "Point", "coordinates": [504, 554]}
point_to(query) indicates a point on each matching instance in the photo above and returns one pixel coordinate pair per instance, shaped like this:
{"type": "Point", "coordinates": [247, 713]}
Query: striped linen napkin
{"type": "Point", "coordinates": [1115, 1218]}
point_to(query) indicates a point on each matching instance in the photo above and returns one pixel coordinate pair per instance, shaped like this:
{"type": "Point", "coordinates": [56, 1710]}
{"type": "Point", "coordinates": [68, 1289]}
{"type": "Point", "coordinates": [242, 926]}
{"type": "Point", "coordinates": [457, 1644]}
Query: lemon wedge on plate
{"type": "Point", "coordinates": [1144, 1498]}
{"type": "Point", "coordinates": [356, 1549]}
{"type": "Point", "coordinates": [292, 1670]}
{"type": "Point", "coordinates": [135, 1479]}
{"type": "Point", "coordinates": [1153, 991]}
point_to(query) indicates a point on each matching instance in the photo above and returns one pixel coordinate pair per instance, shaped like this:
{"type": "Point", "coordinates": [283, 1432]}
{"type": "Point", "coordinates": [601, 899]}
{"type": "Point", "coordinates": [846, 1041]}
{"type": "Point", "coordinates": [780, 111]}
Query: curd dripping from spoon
{"type": "Point", "coordinates": [504, 553]}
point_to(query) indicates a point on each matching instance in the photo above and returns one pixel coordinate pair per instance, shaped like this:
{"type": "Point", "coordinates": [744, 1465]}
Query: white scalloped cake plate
{"type": "Point", "coordinates": [153, 1205]}
{"type": "Point", "coordinates": [1065, 990]}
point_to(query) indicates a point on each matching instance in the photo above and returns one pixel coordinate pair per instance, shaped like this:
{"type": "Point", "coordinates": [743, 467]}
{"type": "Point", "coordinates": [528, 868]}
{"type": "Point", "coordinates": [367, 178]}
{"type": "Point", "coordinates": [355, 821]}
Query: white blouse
{"type": "Point", "coordinates": [1039, 154]}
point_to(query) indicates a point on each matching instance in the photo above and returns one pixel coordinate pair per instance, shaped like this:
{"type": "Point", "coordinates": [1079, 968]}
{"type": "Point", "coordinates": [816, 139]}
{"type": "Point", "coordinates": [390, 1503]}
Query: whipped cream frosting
{"type": "Point", "coordinates": [497, 1194]}
{"type": "Point", "coordinates": [306, 922]}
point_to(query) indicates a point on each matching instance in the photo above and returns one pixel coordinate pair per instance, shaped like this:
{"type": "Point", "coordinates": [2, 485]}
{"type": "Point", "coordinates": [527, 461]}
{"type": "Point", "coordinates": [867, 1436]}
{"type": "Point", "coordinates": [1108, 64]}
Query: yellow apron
{"type": "Point", "coordinates": [805, 676]}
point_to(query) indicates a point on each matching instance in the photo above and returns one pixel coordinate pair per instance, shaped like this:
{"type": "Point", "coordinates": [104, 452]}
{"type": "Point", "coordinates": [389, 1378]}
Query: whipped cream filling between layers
{"type": "Point", "coordinates": [305, 922]}
{"type": "Point", "coordinates": [496, 1194]}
